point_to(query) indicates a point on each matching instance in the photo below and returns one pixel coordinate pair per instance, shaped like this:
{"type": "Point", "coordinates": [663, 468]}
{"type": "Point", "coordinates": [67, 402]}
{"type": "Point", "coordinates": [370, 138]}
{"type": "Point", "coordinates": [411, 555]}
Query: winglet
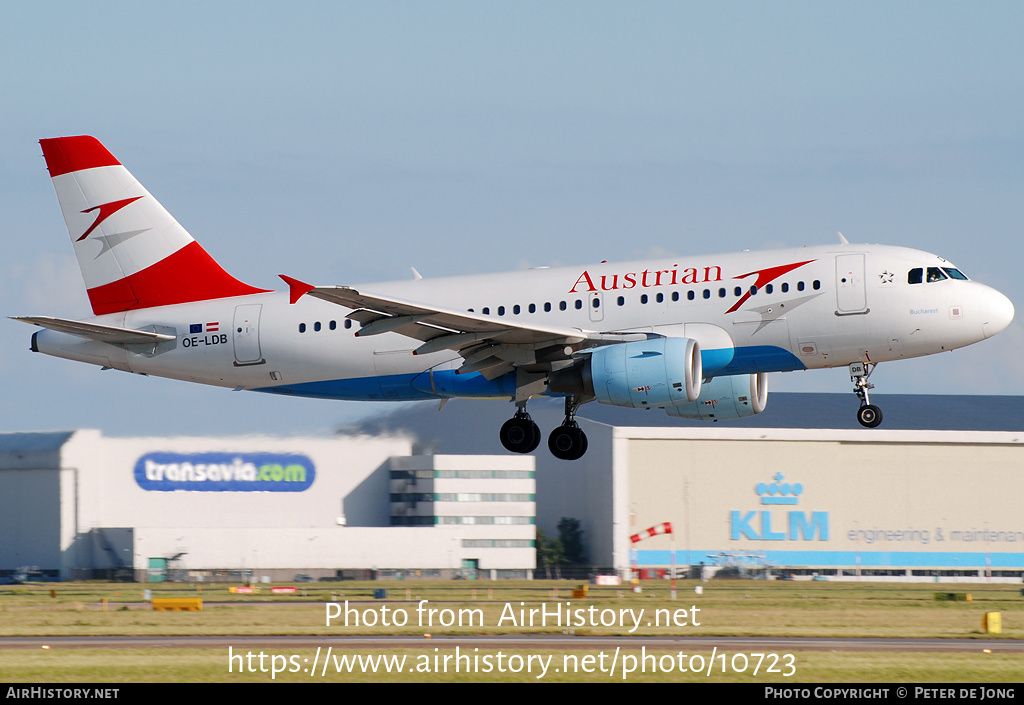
{"type": "Point", "coordinates": [296, 288]}
{"type": "Point", "coordinates": [842, 238]}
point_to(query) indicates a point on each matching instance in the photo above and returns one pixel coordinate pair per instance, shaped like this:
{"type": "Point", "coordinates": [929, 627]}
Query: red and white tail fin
{"type": "Point", "coordinates": [132, 253]}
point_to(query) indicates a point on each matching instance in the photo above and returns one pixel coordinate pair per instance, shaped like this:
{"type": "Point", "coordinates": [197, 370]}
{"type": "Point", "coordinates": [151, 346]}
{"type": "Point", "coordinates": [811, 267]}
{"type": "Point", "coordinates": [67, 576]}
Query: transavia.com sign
{"type": "Point", "coordinates": [224, 472]}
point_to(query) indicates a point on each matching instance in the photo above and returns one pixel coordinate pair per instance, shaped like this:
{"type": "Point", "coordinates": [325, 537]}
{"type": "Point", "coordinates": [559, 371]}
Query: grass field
{"type": "Point", "coordinates": [727, 608]}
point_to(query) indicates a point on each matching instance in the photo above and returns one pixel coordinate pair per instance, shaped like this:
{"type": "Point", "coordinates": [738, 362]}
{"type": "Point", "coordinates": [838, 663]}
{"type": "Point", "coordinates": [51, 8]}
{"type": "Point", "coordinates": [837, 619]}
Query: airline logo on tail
{"type": "Point", "coordinates": [105, 211]}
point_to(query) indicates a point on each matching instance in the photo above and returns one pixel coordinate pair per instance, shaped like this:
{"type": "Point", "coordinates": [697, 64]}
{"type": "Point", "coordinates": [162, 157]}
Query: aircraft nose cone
{"type": "Point", "coordinates": [999, 310]}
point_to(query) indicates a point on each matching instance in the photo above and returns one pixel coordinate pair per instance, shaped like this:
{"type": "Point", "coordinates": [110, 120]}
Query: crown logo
{"type": "Point", "coordinates": [779, 492]}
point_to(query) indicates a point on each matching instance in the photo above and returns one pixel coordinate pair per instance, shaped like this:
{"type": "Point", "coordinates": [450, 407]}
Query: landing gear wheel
{"type": "Point", "coordinates": [568, 442]}
{"type": "Point", "coordinates": [520, 434]}
{"type": "Point", "coordinates": [869, 416]}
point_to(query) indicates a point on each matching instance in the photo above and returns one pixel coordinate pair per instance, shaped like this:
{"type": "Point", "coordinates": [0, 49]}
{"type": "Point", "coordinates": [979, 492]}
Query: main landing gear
{"type": "Point", "coordinates": [567, 442]}
{"type": "Point", "coordinates": [520, 434]}
{"type": "Point", "coordinates": [868, 414]}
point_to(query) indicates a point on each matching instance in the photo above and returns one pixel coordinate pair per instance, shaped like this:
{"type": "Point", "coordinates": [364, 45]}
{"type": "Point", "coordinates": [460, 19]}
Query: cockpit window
{"type": "Point", "coordinates": [935, 274]}
{"type": "Point", "coordinates": [915, 276]}
{"type": "Point", "coordinates": [954, 273]}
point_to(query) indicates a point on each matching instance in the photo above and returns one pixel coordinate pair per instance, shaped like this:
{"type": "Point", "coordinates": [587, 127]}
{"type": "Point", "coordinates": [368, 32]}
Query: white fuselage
{"type": "Point", "coordinates": [812, 307]}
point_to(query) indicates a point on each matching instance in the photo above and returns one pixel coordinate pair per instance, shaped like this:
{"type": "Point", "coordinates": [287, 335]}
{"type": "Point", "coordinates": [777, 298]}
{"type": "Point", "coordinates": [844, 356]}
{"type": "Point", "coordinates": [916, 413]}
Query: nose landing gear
{"type": "Point", "coordinates": [868, 415]}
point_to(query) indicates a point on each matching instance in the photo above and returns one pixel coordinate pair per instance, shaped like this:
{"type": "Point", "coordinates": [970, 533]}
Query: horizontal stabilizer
{"type": "Point", "coordinates": [93, 331]}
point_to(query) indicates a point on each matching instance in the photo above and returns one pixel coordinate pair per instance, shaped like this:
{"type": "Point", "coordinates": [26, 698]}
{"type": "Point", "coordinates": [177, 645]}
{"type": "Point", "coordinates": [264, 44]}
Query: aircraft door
{"type": "Point", "coordinates": [246, 335]}
{"type": "Point", "coordinates": [851, 296]}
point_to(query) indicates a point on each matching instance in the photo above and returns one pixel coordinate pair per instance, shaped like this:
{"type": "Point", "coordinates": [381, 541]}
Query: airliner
{"type": "Point", "coordinates": [694, 336]}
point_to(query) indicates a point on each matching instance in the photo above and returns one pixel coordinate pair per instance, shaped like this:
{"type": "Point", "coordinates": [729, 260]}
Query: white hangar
{"type": "Point", "coordinates": [78, 504]}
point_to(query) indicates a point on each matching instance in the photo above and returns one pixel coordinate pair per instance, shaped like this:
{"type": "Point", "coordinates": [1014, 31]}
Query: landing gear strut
{"type": "Point", "coordinates": [868, 414]}
{"type": "Point", "coordinates": [520, 434]}
{"type": "Point", "coordinates": [568, 442]}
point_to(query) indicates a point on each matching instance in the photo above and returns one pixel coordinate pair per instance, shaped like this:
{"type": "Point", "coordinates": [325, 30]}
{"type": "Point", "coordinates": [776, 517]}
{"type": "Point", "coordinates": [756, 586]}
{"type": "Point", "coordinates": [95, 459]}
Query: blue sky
{"type": "Point", "coordinates": [343, 143]}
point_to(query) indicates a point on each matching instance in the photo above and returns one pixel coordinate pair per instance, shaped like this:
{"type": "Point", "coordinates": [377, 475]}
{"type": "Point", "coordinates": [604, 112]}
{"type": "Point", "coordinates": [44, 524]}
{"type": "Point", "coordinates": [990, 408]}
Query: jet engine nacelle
{"type": "Point", "coordinates": [643, 374]}
{"type": "Point", "coordinates": [732, 397]}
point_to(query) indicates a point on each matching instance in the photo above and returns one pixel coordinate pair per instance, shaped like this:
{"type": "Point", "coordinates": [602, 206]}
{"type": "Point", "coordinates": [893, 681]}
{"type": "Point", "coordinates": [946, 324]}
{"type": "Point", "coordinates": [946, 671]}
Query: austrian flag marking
{"type": "Point", "coordinates": [195, 328]}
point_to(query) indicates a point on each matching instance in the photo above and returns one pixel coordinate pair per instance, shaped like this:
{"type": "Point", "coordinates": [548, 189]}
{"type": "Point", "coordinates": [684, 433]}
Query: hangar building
{"type": "Point", "coordinates": [79, 505]}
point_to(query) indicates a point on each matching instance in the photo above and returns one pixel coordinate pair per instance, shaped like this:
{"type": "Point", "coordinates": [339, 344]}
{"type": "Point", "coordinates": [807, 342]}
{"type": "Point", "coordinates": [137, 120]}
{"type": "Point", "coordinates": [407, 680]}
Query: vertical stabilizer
{"type": "Point", "coordinates": [132, 252]}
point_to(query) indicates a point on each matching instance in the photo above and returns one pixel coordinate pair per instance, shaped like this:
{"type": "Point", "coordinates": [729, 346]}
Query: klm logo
{"type": "Point", "coordinates": [778, 525]}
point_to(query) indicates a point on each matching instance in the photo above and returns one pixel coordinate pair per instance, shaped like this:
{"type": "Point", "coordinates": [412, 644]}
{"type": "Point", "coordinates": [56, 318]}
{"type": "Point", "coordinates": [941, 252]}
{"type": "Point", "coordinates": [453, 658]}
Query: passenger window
{"type": "Point", "coordinates": [348, 323]}
{"type": "Point", "coordinates": [516, 309]}
{"type": "Point", "coordinates": [768, 289]}
{"type": "Point", "coordinates": [622, 301]}
{"type": "Point", "coordinates": [547, 307]}
{"type": "Point", "coordinates": [738, 291]}
{"type": "Point", "coordinates": [501, 310]}
{"type": "Point", "coordinates": [753, 290]}
{"type": "Point", "coordinates": [935, 274]}
{"type": "Point", "coordinates": [643, 298]}
{"type": "Point", "coordinates": [660, 298]}
{"type": "Point", "coordinates": [486, 310]}
{"type": "Point", "coordinates": [561, 306]}
{"type": "Point", "coordinates": [316, 326]}
{"type": "Point", "coordinates": [675, 295]}
{"type": "Point", "coordinates": [799, 286]}
{"type": "Point", "coordinates": [579, 304]}
{"type": "Point", "coordinates": [334, 325]}
{"type": "Point", "coordinates": [785, 287]}
{"type": "Point", "coordinates": [533, 308]}
{"type": "Point", "coordinates": [707, 293]}
{"type": "Point", "coordinates": [817, 284]}
{"type": "Point", "coordinates": [597, 303]}
{"type": "Point", "coordinates": [302, 327]}
{"type": "Point", "coordinates": [690, 296]}
{"type": "Point", "coordinates": [721, 293]}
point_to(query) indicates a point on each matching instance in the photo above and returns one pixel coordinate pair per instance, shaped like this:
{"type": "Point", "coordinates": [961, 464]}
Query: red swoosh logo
{"type": "Point", "coordinates": [765, 276]}
{"type": "Point", "coordinates": [105, 211]}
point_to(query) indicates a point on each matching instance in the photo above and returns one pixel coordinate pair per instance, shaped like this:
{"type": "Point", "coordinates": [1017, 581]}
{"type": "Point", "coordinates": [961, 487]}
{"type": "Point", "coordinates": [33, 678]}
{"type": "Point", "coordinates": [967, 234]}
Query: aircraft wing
{"type": "Point", "coordinates": [485, 342]}
{"type": "Point", "coordinates": [97, 332]}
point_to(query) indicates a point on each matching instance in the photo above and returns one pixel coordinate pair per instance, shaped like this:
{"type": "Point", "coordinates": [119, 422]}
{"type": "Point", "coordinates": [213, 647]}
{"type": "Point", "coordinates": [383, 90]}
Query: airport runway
{"type": "Point", "coordinates": [540, 641]}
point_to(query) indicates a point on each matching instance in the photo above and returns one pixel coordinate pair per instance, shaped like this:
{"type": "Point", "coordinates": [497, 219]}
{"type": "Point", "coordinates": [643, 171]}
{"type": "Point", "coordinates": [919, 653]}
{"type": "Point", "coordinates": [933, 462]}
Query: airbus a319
{"type": "Point", "coordinates": [694, 336]}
